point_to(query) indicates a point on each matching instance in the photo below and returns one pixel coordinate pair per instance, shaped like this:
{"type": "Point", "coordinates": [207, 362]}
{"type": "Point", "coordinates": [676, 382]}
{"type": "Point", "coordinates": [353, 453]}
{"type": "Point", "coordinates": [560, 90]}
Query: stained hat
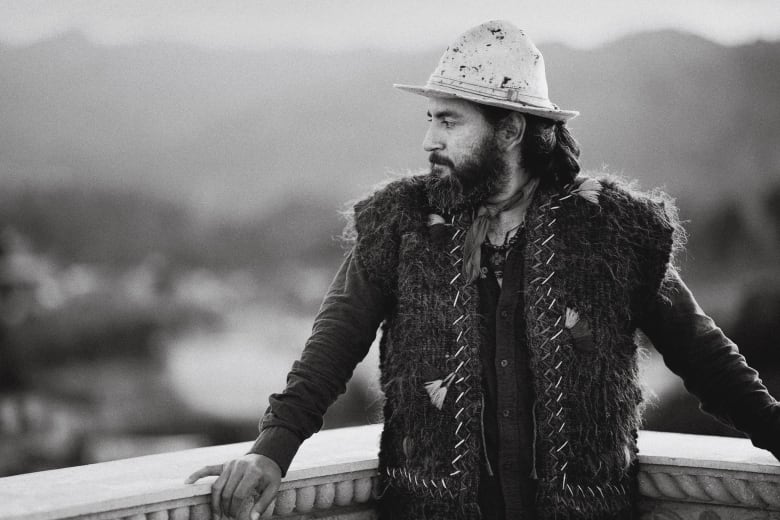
{"type": "Point", "coordinates": [494, 64]}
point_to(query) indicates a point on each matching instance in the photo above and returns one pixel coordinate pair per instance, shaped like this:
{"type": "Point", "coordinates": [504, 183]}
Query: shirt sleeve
{"type": "Point", "coordinates": [711, 366]}
{"type": "Point", "coordinates": [343, 332]}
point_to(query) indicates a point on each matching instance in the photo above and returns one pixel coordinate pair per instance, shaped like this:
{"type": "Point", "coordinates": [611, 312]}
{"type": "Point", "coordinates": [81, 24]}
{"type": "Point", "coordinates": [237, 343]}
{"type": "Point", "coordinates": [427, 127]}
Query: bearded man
{"type": "Point", "coordinates": [509, 289]}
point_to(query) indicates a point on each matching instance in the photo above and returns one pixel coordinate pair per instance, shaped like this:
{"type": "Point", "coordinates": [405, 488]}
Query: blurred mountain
{"type": "Point", "coordinates": [676, 110]}
{"type": "Point", "coordinates": [234, 133]}
{"type": "Point", "coordinates": [226, 132]}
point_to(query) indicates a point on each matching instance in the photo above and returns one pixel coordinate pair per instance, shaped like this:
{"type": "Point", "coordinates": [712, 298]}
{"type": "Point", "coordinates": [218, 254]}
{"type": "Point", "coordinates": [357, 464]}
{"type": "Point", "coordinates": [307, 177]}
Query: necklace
{"type": "Point", "coordinates": [496, 255]}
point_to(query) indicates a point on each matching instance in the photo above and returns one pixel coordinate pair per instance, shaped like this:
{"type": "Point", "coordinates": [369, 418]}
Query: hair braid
{"type": "Point", "coordinates": [564, 156]}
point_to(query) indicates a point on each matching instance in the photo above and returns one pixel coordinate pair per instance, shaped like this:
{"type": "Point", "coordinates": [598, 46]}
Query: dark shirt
{"type": "Point", "coordinates": [508, 422]}
{"type": "Point", "coordinates": [692, 346]}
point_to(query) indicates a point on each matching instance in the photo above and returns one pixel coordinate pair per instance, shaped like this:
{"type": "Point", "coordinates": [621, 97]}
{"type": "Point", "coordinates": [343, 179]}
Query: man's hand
{"type": "Point", "coordinates": [238, 480]}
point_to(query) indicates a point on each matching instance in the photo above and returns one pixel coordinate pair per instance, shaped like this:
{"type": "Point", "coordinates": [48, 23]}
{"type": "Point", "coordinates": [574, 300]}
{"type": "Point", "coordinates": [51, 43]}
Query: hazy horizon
{"type": "Point", "coordinates": [77, 33]}
{"type": "Point", "coordinates": [334, 26]}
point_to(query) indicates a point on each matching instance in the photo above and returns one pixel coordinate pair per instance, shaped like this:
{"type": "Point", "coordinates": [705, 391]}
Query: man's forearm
{"type": "Point", "coordinates": [343, 331]}
{"type": "Point", "coordinates": [712, 368]}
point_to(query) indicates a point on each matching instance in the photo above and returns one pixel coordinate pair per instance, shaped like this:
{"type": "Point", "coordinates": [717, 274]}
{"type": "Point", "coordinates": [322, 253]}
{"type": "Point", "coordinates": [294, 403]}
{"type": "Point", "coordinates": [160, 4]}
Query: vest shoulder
{"type": "Point", "coordinates": [394, 204]}
{"type": "Point", "coordinates": [623, 204]}
{"type": "Point", "coordinates": [379, 221]}
{"type": "Point", "coordinates": [647, 223]}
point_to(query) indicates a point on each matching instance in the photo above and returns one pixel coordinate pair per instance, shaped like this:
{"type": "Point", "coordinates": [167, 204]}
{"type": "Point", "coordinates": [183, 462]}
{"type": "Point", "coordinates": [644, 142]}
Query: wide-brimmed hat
{"type": "Point", "coordinates": [494, 64]}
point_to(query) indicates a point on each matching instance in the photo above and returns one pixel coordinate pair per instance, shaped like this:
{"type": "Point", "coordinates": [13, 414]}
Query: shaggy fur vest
{"type": "Point", "coordinates": [596, 253]}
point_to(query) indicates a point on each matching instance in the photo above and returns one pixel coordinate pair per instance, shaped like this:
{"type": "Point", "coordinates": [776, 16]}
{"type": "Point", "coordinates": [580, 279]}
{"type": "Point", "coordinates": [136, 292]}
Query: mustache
{"type": "Point", "coordinates": [435, 158]}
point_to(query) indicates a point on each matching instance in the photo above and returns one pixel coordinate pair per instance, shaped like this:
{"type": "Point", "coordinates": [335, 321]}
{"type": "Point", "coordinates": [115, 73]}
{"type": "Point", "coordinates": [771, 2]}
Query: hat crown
{"type": "Point", "coordinates": [493, 64]}
{"type": "Point", "coordinates": [496, 55]}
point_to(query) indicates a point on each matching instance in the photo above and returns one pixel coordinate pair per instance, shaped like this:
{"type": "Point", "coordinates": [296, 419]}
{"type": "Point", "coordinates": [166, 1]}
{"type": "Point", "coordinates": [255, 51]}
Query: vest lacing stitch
{"type": "Point", "coordinates": [461, 357]}
{"type": "Point", "coordinates": [553, 407]}
{"type": "Point", "coordinates": [412, 479]}
{"type": "Point", "coordinates": [546, 301]}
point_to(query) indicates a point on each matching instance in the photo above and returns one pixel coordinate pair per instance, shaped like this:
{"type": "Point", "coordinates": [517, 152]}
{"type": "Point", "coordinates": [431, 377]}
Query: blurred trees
{"type": "Point", "coordinates": [734, 260]}
{"type": "Point", "coordinates": [94, 284]}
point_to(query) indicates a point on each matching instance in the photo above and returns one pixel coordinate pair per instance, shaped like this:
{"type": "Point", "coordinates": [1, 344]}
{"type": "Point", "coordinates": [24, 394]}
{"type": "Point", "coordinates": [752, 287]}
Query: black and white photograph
{"type": "Point", "coordinates": [437, 260]}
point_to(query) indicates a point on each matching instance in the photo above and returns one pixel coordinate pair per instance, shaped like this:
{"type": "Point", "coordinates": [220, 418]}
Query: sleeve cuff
{"type": "Point", "coordinates": [278, 444]}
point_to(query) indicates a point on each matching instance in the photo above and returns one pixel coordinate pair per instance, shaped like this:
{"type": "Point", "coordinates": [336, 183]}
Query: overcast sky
{"type": "Point", "coordinates": [399, 24]}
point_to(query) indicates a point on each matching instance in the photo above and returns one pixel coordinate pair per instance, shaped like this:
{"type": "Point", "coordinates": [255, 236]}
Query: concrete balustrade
{"type": "Point", "coordinates": [682, 477]}
{"type": "Point", "coordinates": [696, 477]}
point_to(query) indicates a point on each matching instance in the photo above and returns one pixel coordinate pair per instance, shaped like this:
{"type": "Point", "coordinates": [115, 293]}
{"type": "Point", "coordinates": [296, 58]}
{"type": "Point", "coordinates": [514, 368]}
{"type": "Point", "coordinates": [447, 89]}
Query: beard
{"type": "Point", "coordinates": [481, 175]}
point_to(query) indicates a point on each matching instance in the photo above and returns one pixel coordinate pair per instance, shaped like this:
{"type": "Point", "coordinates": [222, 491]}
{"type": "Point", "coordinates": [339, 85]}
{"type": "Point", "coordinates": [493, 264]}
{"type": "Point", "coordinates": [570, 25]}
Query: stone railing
{"type": "Point", "coordinates": [697, 477]}
{"type": "Point", "coordinates": [682, 477]}
{"type": "Point", "coordinates": [333, 475]}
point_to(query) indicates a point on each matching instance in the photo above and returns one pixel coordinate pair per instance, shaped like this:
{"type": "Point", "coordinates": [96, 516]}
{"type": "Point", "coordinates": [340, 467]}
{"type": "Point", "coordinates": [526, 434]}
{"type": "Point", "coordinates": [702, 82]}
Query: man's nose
{"type": "Point", "coordinates": [432, 140]}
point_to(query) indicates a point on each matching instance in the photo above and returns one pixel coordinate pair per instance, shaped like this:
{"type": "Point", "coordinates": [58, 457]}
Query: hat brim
{"type": "Point", "coordinates": [549, 113]}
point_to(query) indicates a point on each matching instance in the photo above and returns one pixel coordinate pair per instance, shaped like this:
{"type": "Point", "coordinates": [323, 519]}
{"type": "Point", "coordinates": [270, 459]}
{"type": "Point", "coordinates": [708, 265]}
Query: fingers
{"type": "Point", "coordinates": [248, 485]}
{"type": "Point", "coordinates": [216, 490]}
{"type": "Point", "coordinates": [229, 504]}
{"type": "Point", "coordinates": [207, 471]}
{"type": "Point", "coordinates": [266, 497]}
{"type": "Point", "coordinates": [238, 480]}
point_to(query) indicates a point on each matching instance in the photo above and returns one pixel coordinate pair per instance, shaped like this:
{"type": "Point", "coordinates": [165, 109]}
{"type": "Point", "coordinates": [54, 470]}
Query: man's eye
{"type": "Point", "coordinates": [447, 124]}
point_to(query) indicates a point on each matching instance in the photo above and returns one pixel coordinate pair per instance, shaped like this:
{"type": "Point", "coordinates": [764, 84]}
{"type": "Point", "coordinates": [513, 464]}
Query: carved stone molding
{"type": "Point", "coordinates": [725, 488]}
{"type": "Point", "coordinates": [349, 498]}
{"type": "Point", "coordinates": [682, 511]}
{"type": "Point", "coordinates": [333, 496]}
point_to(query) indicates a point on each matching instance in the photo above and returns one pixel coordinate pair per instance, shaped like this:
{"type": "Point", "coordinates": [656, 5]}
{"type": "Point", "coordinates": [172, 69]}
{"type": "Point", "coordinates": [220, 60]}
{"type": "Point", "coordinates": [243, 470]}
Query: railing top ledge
{"type": "Point", "coordinates": [704, 451]}
{"type": "Point", "coordinates": [83, 490]}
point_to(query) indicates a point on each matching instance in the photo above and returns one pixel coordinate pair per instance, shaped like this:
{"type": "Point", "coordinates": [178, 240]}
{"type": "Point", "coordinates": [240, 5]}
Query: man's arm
{"type": "Point", "coordinates": [711, 366]}
{"type": "Point", "coordinates": [343, 331]}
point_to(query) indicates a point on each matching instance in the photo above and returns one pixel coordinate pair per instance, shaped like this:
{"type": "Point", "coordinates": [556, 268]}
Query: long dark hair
{"type": "Point", "coordinates": [548, 149]}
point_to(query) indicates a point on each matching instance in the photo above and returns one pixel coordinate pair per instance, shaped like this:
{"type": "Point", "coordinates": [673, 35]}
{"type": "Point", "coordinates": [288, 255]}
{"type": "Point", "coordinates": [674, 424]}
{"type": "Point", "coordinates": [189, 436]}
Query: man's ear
{"type": "Point", "coordinates": [512, 130]}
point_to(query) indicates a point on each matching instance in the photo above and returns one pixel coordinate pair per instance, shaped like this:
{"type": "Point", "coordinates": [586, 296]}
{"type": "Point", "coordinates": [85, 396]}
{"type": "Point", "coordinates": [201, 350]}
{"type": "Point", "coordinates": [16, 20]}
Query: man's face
{"type": "Point", "coordinates": [466, 164]}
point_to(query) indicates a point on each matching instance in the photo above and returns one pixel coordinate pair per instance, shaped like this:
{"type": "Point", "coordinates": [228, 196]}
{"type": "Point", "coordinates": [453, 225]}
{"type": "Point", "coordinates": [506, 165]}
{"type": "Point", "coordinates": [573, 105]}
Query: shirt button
{"type": "Point", "coordinates": [507, 466]}
{"type": "Point", "coordinates": [504, 363]}
{"type": "Point", "coordinates": [505, 413]}
{"type": "Point", "coordinates": [504, 314]}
